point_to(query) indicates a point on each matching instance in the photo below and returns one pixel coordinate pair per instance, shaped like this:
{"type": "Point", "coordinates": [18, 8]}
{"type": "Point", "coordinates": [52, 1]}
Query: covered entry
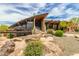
{"type": "Point", "coordinates": [38, 24]}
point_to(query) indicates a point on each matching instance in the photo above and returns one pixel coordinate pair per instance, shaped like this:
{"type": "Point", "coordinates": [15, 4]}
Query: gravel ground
{"type": "Point", "coordinates": [70, 45]}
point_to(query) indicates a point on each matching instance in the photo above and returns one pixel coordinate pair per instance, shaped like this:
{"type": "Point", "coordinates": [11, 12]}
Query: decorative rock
{"type": "Point", "coordinates": [75, 55]}
{"type": "Point", "coordinates": [76, 36]}
{"type": "Point", "coordinates": [19, 48]}
{"type": "Point", "coordinates": [68, 35]}
{"type": "Point", "coordinates": [17, 39]}
{"type": "Point", "coordinates": [48, 39]}
{"type": "Point", "coordinates": [47, 35]}
{"type": "Point", "coordinates": [7, 48]}
{"type": "Point", "coordinates": [52, 49]}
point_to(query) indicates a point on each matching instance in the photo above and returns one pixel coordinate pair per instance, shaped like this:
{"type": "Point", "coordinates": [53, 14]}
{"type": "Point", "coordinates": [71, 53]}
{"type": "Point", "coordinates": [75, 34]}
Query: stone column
{"type": "Point", "coordinates": [43, 26]}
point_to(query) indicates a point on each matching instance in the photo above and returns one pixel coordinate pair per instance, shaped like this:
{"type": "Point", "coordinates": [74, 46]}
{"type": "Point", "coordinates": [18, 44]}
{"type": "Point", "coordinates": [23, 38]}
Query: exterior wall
{"type": "Point", "coordinates": [56, 26]}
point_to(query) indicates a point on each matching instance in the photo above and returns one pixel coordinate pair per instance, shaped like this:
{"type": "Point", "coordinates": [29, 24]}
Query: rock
{"type": "Point", "coordinates": [2, 42]}
{"type": "Point", "coordinates": [52, 49]}
{"type": "Point", "coordinates": [32, 37]}
{"type": "Point", "coordinates": [76, 36]}
{"type": "Point", "coordinates": [68, 35]}
{"type": "Point", "coordinates": [19, 48]}
{"type": "Point", "coordinates": [48, 39]}
{"type": "Point", "coordinates": [7, 48]}
{"type": "Point", "coordinates": [75, 55]}
{"type": "Point", "coordinates": [47, 35]}
{"type": "Point", "coordinates": [17, 39]}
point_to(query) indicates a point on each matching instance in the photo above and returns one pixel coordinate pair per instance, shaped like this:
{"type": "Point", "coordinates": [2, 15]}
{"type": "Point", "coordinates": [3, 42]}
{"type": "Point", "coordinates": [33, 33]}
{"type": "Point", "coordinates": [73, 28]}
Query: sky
{"type": "Point", "coordinates": [56, 11]}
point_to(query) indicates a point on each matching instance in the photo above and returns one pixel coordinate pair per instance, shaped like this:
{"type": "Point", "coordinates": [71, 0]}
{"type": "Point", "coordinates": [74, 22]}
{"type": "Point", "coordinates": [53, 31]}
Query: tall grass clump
{"type": "Point", "coordinates": [34, 48]}
{"type": "Point", "coordinates": [77, 30]}
{"type": "Point", "coordinates": [50, 31]}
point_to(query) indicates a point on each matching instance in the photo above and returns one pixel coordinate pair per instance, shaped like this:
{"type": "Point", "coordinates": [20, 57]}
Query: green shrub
{"type": "Point", "coordinates": [34, 48]}
{"type": "Point", "coordinates": [10, 35]}
{"type": "Point", "coordinates": [77, 30]}
{"type": "Point", "coordinates": [50, 31]}
{"type": "Point", "coordinates": [0, 34]}
{"type": "Point", "coordinates": [59, 33]}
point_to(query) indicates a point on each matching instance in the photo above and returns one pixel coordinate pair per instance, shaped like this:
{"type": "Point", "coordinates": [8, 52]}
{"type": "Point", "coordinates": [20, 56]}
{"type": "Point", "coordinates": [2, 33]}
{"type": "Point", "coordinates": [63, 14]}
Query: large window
{"type": "Point", "coordinates": [29, 25]}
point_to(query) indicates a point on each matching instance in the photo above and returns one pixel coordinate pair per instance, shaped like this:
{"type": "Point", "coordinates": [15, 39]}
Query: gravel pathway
{"type": "Point", "coordinates": [70, 45]}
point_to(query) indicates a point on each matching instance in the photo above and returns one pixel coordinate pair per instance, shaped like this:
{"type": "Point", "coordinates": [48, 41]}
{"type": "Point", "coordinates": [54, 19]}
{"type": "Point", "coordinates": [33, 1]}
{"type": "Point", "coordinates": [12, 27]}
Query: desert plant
{"type": "Point", "coordinates": [0, 35]}
{"type": "Point", "coordinates": [3, 27]}
{"type": "Point", "coordinates": [34, 48]}
{"type": "Point", "coordinates": [75, 20]}
{"type": "Point", "coordinates": [77, 30]}
{"type": "Point", "coordinates": [63, 25]}
{"type": "Point", "coordinates": [59, 33]}
{"type": "Point", "coordinates": [50, 31]}
{"type": "Point", "coordinates": [10, 35]}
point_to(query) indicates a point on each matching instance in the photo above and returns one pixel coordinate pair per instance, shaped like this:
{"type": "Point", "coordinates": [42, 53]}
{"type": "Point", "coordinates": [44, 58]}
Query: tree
{"type": "Point", "coordinates": [3, 27]}
{"type": "Point", "coordinates": [63, 24]}
{"type": "Point", "coordinates": [69, 24]}
{"type": "Point", "coordinates": [75, 20]}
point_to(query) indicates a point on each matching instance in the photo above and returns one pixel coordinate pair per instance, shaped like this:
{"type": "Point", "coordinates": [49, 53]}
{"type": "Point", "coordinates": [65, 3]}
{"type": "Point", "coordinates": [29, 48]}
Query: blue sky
{"type": "Point", "coordinates": [57, 11]}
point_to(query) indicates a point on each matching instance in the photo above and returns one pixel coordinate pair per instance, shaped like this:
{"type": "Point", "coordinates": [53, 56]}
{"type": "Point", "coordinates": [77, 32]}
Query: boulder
{"type": "Point", "coordinates": [76, 36]}
{"type": "Point", "coordinates": [75, 55]}
{"type": "Point", "coordinates": [32, 37]}
{"type": "Point", "coordinates": [7, 48]}
{"type": "Point", "coordinates": [68, 35]}
{"type": "Point", "coordinates": [19, 48]}
{"type": "Point", "coordinates": [47, 35]}
{"type": "Point", "coordinates": [48, 39]}
{"type": "Point", "coordinates": [52, 49]}
{"type": "Point", "coordinates": [17, 39]}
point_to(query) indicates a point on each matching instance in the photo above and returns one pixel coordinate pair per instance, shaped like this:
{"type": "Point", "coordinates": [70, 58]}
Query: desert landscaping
{"type": "Point", "coordinates": [52, 45]}
{"type": "Point", "coordinates": [35, 36]}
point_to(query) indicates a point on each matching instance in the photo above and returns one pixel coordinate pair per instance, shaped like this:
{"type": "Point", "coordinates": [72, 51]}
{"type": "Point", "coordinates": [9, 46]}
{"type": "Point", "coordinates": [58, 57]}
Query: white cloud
{"type": "Point", "coordinates": [56, 11]}
{"type": "Point", "coordinates": [59, 10]}
{"type": "Point", "coordinates": [70, 11]}
{"type": "Point", "coordinates": [14, 16]}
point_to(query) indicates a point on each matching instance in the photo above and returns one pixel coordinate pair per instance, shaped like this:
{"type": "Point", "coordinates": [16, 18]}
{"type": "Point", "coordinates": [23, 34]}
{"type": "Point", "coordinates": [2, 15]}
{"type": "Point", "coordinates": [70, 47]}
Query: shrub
{"type": "Point", "coordinates": [0, 34]}
{"type": "Point", "coordinates": [34, 48]}
{"type": "Point", "coordinates": [59, 33]}
{"type": "Point", "coordinates": [50, 31]}
{"type": "Point", "coordinates": [3, 27]}
{"type": "Point", "coordinates": [10, 35]}
{"type": "Point", "coordinates": [77, 30]}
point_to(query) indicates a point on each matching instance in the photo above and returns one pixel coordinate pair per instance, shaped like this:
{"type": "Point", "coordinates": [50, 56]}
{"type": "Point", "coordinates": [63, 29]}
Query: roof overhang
{"type": "Point", "coordinates": [37, 17]}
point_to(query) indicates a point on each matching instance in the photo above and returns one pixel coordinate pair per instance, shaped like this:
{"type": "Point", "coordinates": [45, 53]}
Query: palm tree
{"type": "Point", "coordinates": [75, 20]}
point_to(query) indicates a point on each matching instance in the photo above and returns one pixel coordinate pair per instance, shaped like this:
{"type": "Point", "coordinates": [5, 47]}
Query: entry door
{"type": "Point", "coordinates": [38, 24]}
